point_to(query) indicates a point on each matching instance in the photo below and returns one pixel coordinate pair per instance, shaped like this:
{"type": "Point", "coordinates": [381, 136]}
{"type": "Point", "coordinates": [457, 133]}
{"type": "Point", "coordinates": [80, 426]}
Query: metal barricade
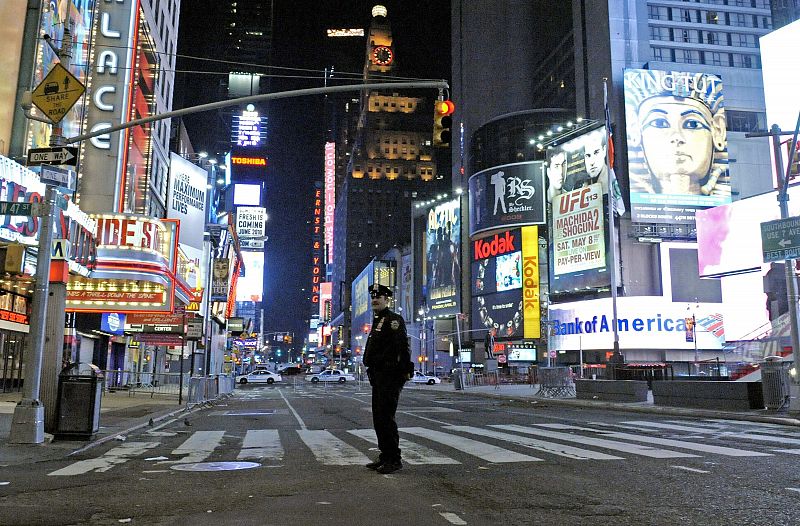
{"type": "Point", "coordinates": [775, 382]}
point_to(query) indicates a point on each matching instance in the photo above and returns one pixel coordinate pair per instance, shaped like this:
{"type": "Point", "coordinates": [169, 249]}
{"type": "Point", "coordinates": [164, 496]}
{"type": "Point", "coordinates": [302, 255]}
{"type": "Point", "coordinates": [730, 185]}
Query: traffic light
{"type": "Point", "coordinates": [442, 122]}
{"type": "Point", "coordinates": [794, 162]}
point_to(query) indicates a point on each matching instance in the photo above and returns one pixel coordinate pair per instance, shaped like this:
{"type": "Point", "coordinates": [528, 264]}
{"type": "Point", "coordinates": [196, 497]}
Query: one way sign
{"type": "Point", "coordinates": [67, 155]}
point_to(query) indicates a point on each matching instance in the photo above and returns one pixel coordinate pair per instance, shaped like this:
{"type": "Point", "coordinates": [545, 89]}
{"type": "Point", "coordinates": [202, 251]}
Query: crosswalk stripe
{"type": "Point", "coordinates": [789, 451]}
{"type": "Point", "coordinates": [111, 458]}
{"type": "Point", "coordinates": [671, 427]}
{"type": "Point", "coordinates": [765, 438]}
{"type": "Point", "coordinates": [197, 447]}
{"type": "Point", "coordinates": [634, 449]}
{"type": "Point", "coordinates": [261, 444]}
{"type": "Point", "coordinates": [413, 453]}
{"type": "Point", "coordinates": [540, 445]}
{"type": "Point", "coordinates": [330, 450]}
{"type": "Point", "coordinates": [680, 444]}
{"type": "Point", "coordinates": [487, 452]}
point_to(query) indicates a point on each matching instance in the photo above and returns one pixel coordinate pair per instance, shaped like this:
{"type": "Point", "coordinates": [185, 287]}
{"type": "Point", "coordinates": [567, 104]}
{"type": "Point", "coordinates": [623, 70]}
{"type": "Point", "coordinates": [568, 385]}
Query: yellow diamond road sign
{"type": "Point", "coordinates": [57, 93]}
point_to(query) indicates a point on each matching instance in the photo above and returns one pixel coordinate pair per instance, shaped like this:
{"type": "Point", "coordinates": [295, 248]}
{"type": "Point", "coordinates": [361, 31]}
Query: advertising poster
{"type": "Point", "coordinates": [507, 196]}
{"type": "Point", "coordinates": [531, 307]}
{"type": "Point", "coordinates": [186, 200]}
{"type": "Point", "coordinates": [405, 289]}
{"type": "Point", "coordinates": [220, 279]}
{"type": "Point", "coordinates": [642, 323]}
{"type": "Point", "coordinates": [443, 250]}
{"type": "Point", "coordinates": [577, 186]}
{"type": "Point", "coordinates": [677, 144]}
{"type": "Point", "coordinates": [578, 227]}
{"type": "Point", "coordinates": [497, 283]}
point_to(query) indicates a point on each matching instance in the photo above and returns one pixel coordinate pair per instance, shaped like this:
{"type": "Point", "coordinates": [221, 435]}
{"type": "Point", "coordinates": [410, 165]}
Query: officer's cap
{"type": "Point", "coordinates": [380, 290]}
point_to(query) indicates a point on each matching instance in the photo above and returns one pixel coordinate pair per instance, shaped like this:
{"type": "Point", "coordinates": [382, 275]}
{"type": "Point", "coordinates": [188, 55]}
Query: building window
{"type": "Point", "coordinates": [713, 38]}
{"type": "Point", "coordinates": [712, 17]}
{"type": "Point", "coordinates": [746, 121]}
{"type": "Point", "coordinates": [657, 13]}
{"type": "Point", "coordinates": [716, 59]}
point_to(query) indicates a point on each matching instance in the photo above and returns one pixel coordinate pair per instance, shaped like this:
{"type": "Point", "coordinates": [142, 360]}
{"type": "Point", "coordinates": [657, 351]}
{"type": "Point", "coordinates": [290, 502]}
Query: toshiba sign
{"type": "Point", "coordinates": [499, 244]}
{"type": "Point", "coordinates": [249, 161]}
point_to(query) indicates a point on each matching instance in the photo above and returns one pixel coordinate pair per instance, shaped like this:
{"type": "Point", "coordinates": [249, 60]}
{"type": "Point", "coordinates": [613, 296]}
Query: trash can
{"type": "Point", "coordinates": [80, 389]}
{"type": "Point", "coordinates": [775, 382]}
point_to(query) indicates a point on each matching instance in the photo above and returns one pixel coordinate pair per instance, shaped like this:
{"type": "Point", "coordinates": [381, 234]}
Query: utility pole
{"type": "Point", "coordinates": [789, 264]}
{"type": "Point", "coordinates": [27, 424]}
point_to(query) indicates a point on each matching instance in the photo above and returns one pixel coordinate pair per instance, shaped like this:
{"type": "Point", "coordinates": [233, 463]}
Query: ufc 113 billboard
{"type": "Point", "coordinates": [505, 284]}
{"type": "Point", "coordinates": [507, 196]}
{"type": "Point", "coordinates": [578, 240]}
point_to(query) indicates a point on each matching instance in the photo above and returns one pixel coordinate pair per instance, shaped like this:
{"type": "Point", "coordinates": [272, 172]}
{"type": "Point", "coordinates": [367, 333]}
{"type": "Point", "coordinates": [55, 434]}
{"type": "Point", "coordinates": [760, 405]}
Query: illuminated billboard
{"type": "Point", "coordinates": [577, 178]}
{"type": "Point", "coordinates": [317, 258]}
{"type": "Point", "coordinates": [330, 197]}
{"type": "Point", "coordinates": [248, 165]}
{"type": "Point", "coordinates": [247, 194]}
{"type": "Point", "coordinates": [507, 196]}
{"type": "Point", "coordinates": [249, 129]}
{"type": "Point", "coordinates": [505, 284]}
{"type": "Point", "coordinates": [443, 252]}
{"type": "Point", "coordinates": [780, 79]}
{"type": "Point", "coordinates": [186, 199]}
{"type": "Point", "coordinates": [250, 286]}
{"type": "Point", "coordinates": [578, 242]}
{"type": "Point", "coordinates": [677, 144]}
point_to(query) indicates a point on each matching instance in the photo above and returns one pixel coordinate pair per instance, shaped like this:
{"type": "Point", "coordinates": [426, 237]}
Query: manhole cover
{"type": "Point", "coordinates": [215, 466]}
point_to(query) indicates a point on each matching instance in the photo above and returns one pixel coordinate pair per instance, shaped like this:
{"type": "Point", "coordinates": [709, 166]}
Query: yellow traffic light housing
{"type": "Point", "coordinates": [442, 122]}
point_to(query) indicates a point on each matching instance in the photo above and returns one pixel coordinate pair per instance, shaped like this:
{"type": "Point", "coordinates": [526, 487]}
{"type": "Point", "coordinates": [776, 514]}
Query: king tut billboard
{"type": "Point", "coordinates": [677, 144]}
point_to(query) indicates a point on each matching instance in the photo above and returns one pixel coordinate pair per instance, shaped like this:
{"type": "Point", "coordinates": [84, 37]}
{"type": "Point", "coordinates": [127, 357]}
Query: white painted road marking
{"type": "Point", "coordinates": [634, 449]}
{"type": "Point", "coordinates": [481, 450]}
{"type": "Point", "coordinates": [261, 444]}
{"type": "Point", "coordinates": [197, 447]}
{"type": "Point", "coordinates": [413, 453]}
{"type": "Point", "coordinates": [680, 444]}
{"type": "Point", "coordinates": [540, 445]}
{"type": "Point", "coordinates": [111, 458]}
{"type": "Point", "coordinates": [672, 427]}
{"type": "Point", "coordinates": [330, 450]}
{"type": "Point", "coordinates": [452, 518]}
{"type": "Point", "coordinates": [693, 470]}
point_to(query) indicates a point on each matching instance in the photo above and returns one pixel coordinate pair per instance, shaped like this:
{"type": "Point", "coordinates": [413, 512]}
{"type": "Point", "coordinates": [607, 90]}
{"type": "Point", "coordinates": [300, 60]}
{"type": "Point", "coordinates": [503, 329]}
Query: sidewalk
{"type": "Point", "coordinates": [527, 394]}
{"type": "Point", "coordinates": [120, 414]}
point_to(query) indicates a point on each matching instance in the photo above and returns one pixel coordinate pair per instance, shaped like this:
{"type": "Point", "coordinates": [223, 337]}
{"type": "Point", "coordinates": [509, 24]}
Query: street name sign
{"type": "Point", "coordinates": [15, 208]}
{"type": "Point", "coordinates": [59, 155]}
{"type": "Point", "coordinates": [57, 93]}
{"type": "Point", "coordinates": [57, 177]}
{"type": "Point", "coordinates": [780, 239]}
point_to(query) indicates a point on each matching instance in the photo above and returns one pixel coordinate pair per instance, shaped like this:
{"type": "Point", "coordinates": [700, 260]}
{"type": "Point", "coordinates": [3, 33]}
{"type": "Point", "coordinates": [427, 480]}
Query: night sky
{"type": "Point", "coordinates": [297, 127]}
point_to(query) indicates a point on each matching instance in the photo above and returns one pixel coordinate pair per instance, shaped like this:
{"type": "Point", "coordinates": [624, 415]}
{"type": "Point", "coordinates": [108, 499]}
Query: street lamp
{"type": "Point", "coordinates": [693, 322]}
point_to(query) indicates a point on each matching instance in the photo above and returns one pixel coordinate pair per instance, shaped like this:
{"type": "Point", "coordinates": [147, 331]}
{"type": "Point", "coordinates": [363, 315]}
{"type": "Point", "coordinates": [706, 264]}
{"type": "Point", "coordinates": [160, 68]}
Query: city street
{"type": "Point", "coordinates": [300, 449]}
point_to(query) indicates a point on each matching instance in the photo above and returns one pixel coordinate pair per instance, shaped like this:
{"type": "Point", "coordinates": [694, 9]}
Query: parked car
{"type": "Point", "coordinates": [420, 378]}
{"type": "Point", "coordinates": [293, 370]}
{"type": "Point", "coordinates": [259, 376]}
{"type": "Point", "coordinates": [331, 375]}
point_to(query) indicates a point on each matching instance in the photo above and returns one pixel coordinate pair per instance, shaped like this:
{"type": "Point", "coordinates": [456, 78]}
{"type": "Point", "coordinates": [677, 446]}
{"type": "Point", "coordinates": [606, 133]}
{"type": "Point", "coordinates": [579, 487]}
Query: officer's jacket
{"type": "Point", "coordinates": [387, 348]}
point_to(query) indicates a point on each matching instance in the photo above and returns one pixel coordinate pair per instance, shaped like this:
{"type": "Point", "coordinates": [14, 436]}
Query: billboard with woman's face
{"type": "Point", "coordinates": [677, 144]}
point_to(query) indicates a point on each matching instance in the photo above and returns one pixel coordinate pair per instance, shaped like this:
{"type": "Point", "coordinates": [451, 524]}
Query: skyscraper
{"type": "Point", "coordinates": [392, 164]}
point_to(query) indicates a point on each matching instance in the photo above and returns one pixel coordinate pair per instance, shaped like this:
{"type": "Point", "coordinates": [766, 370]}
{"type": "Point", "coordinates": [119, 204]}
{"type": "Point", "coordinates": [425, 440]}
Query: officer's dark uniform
{"type": "Point", "coordinates": [388, 361]}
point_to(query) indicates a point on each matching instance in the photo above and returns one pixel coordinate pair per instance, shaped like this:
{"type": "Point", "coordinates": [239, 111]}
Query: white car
{"type": "Point", "coordinates": [331, 375]}
{"type": "Point", "coordinates": [260, 376]}
{"type": "Point", "coordinates": [420, 378]}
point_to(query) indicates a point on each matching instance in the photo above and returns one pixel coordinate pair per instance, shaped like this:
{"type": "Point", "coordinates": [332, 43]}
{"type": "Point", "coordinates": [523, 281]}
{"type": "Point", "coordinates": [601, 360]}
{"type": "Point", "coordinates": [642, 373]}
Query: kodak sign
{"type": "Point", "coordinates": [491, 247]}
{"type": "Point", "coordinates": [531, 312]}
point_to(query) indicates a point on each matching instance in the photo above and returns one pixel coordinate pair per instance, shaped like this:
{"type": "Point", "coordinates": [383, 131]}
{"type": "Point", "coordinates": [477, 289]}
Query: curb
{"type": "Point", "coordinates": [665, 410]}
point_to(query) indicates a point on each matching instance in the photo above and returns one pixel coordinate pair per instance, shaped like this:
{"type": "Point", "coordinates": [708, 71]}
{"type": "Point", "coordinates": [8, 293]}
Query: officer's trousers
{"type": "Point", "coordinates": [385, 397]}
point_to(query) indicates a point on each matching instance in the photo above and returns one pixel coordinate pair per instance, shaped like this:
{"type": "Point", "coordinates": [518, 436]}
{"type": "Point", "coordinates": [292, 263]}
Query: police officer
{"type": "Point", "coordinates": [388, 361]}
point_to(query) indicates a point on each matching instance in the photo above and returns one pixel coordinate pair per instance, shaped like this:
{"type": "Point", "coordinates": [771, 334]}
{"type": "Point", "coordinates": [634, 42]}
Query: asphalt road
{"type": "Point", "coordinates": [468, 460]}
